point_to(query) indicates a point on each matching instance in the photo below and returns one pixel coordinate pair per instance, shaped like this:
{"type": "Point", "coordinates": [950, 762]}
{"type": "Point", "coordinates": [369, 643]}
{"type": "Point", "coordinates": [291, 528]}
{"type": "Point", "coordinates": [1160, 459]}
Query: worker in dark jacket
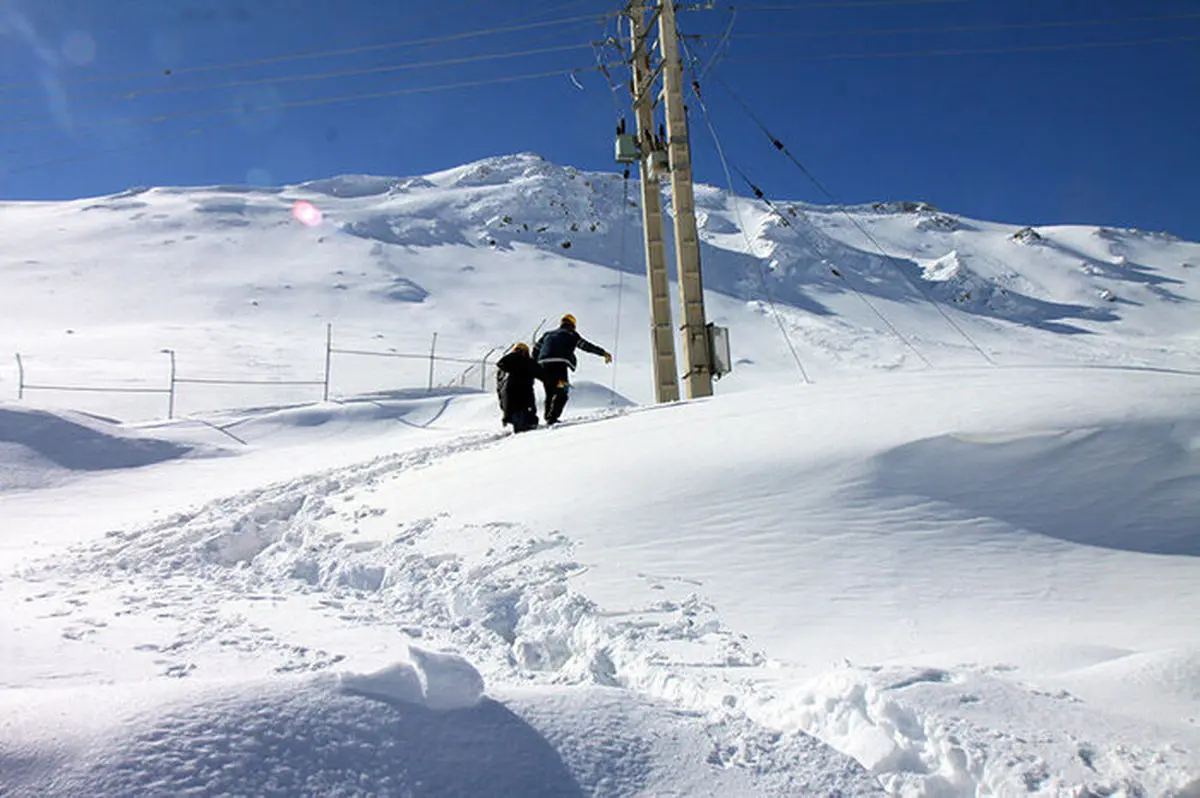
{"type": "Point", "coordinates": [516, 372]}
{"type": "Point", "coordinates": [555, 353]}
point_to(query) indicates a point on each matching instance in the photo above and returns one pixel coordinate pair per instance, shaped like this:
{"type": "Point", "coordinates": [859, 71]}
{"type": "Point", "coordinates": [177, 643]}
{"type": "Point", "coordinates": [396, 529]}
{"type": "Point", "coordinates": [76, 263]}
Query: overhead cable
{"type": "Point", "coordinates": [280, 106]}
{"type": "Point", "coordinates": [1073, 23]}
{"type": "Point", "coordinates": [717, 50]}
{"type": "Point", "coordinates": [827, 5]}
{"type": "Point", "coordinates": [620, 277]}
{"type": "Point", "coordinates": [766, 285]}
{"type": "Point", "coordinates": [779, 145]}
{"type": "Point", "coordinates": [836, 272]}
{"type": "Point", "coordinates": [376, 70]}
{"type": "Point", "coordinates": [310, 54]}
{"type": "Point", "coordinates": [1031, 48]}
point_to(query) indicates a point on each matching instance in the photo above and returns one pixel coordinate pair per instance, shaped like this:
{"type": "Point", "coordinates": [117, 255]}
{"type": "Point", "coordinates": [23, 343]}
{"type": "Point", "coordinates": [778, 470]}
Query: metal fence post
{"type": "Point", "coordinates": [483, 369]}
{"type": "Point", "coordinates": [432, 355]}
{"type": "Point", "coordinates": [171, 387]}
{"type": "Point", "coordinates": [328, 358]}
{"type": "Point", "coordinates": [20, 377]}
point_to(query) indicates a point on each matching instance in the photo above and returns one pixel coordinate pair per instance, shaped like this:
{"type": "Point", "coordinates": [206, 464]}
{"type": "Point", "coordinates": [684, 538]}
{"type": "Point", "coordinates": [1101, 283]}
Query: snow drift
{"type": "Point", "coordinates": [40, 447]}
{"type": "Point", "coordinates": [310, 736]}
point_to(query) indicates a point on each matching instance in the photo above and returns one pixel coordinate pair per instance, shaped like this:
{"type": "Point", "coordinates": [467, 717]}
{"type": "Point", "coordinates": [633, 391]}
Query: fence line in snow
{"type": "Point", "coordinates": [479, 364]}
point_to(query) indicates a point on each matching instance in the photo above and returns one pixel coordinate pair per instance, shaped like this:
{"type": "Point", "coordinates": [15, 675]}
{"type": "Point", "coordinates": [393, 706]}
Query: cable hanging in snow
{"type": "Point", "coordinates": [779, 145]}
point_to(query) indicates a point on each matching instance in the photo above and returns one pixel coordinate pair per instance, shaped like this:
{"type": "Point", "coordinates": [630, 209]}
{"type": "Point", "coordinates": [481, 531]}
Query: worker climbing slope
{"type": "Point", "coordinates": [555, 354]}
{"type": "Point", "coordinates": [516, 372]}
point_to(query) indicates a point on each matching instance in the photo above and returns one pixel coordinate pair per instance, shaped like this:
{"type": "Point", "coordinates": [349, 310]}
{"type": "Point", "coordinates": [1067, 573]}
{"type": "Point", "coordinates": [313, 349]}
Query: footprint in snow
{"type": "Point", "coordinates": [180, 670]}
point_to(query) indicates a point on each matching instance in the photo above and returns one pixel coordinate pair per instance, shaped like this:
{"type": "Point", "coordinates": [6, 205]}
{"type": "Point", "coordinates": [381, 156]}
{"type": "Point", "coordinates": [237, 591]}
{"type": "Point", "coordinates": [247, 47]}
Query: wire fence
{"type": "Point", "coordinates": [475, 375]}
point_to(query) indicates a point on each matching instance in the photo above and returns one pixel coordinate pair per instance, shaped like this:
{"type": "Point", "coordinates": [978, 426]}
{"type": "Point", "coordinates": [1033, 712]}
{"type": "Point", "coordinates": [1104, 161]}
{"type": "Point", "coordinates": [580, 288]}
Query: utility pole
{"type": "Point", "coordinates": [662, 334]}
{"type": "Point", "coordinates": [699, 375]}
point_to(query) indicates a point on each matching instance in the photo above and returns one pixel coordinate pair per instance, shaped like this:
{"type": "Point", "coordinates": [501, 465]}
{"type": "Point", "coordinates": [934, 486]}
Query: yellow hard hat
{"type": "Point", "coordinates": [568, 319]}
{"type": "Point", "coordinates": [521, 346]}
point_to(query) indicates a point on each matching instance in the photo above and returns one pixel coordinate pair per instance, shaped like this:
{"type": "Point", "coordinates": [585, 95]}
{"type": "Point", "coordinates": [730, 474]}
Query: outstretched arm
{"type": "Point", "coordinates": [588, 346]}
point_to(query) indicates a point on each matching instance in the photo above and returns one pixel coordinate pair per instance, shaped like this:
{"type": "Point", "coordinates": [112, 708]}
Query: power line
{"type": "Point", "coordinates": [620, 277]}
{"type": "Point", "coordinates": [779, 145]}
{"type": "Point", "coordinates": [310, 54]}
{"type": "Point", "coordinates": [835, 271]}
{"type": "Point", "coordinates": [963, 28]}
{"type": "Point", "coordinates": [742, 226]}
{"type": "Point", "coordinates": [251, 109]}
{"type": "Point", "coordinates": [138, 93]}
{"type": "Point", "coordinates": [812, 245]}
{"type": "Point", "coordinates": [762, 275]}
{"type": "Point", "coordinates": [317, 101]}
{"type": "Point", "coordinates": [978, 51]}
{"type": "Point", "coordinates": [833, 5]}
{"type": "Point", "coordinates": [347, 98]}
{"type": "Point", "coordinates": [717, 50]}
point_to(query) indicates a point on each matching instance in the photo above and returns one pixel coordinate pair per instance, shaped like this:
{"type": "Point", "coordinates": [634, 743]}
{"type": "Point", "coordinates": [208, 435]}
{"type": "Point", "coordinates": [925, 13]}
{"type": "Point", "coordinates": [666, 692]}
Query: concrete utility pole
{"type": "Point", "coordinates": [699, 376]}
{"type": "Point", "coordinates": [666, 380]}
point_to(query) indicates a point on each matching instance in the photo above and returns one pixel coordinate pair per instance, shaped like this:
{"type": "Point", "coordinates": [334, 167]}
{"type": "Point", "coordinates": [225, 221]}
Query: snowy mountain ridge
{"type": "Point", "coordinates": [852, 288]}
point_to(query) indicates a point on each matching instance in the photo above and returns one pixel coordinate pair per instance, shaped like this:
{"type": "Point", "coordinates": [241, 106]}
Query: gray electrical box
{"type": "Point", "coordinates": [660, 163]}
{"type": "Point", "coordinates": [718, 350]}
{"type": "Point", "coordinates": [627, 148]}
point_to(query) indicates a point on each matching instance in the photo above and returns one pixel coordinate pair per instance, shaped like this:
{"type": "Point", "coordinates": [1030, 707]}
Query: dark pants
{"type": "Point", "coordinates": [524, 420]}
{"type": "Point", "coordinates": [554, 380]}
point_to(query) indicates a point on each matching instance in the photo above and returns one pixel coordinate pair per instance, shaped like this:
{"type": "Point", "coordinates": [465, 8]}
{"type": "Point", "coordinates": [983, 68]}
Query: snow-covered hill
{"type": "Point", "coordinates": [231, 281]}
{"type": "Point", "coordinates": [939, 570]}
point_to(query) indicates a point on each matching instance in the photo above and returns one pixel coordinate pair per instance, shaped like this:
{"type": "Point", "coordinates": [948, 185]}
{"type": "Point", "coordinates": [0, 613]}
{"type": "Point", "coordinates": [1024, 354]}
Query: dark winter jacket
{"type": "Point", "coordinates": [514, 383]}
{"type": "Point", "coordinates": [558, 346]}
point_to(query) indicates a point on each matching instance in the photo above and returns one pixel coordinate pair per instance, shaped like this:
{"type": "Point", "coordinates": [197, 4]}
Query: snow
{"type": "Point", "coordinates": [40, 448]}
{"type": "Point", "coordinates": [305, 736]}
{"type": "Point", "coordinates": [958, 580]}
{"type": "Point", "coordinates": [432, 679]}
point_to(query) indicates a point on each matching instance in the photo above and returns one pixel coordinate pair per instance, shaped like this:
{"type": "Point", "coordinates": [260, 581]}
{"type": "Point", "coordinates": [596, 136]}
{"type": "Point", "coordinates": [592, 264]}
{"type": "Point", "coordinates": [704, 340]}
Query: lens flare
{"type": "Point", "coordinates": [306, 213]}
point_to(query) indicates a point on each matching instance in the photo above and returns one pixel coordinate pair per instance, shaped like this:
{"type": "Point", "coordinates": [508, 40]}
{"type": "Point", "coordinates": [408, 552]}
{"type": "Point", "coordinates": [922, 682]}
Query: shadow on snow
{"type": "Point", "coordinates": [1134, 487]}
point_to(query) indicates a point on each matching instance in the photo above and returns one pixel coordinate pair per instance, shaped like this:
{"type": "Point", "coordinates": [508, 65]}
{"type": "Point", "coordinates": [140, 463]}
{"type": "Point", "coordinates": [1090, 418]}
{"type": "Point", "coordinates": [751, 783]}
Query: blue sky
{"type": "Point", "coordinates": [1010, 110]}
